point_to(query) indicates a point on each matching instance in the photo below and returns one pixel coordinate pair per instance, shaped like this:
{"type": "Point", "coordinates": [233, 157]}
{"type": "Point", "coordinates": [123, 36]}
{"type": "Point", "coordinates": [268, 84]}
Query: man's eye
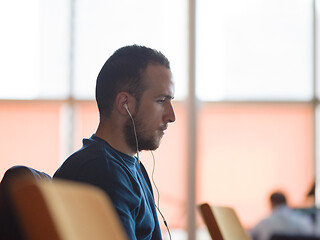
{"type": "Point", "coordinates": [161, 100]}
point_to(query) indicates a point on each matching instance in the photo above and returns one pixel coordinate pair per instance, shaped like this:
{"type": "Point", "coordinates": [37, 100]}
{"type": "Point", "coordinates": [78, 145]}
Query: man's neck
{"type": "Point", "coordinates": [114, 135]}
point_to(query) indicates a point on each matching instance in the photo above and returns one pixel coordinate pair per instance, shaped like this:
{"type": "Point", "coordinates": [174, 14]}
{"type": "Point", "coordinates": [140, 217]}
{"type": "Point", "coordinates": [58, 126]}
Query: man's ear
{"type": "Point", "coordinates": [122, 99]}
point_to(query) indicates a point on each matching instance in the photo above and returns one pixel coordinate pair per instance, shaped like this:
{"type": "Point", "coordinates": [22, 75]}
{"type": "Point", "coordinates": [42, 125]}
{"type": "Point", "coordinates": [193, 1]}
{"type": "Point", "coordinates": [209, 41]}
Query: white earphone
{"type": "Point", "coordinates": [137, 145]}
{"type": "Point", "coordinates": [126, 107]}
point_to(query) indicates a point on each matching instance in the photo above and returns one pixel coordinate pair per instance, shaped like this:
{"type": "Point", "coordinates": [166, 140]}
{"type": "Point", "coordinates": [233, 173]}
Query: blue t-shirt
{"type": "Point", "coordinates": [120, 176]}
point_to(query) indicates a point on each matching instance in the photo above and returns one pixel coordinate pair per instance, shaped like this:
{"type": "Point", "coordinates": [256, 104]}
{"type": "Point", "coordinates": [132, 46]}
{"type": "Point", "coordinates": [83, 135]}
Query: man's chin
{"type": "Point", "coordinates": [149, 146]}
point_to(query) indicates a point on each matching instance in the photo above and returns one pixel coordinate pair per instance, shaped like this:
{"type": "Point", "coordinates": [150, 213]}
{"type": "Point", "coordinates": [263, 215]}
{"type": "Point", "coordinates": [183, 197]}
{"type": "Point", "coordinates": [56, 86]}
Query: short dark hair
{"type": "Point", "coordinates": [123, 71]}
{"type": "Point", "coordinates": [278, 198]}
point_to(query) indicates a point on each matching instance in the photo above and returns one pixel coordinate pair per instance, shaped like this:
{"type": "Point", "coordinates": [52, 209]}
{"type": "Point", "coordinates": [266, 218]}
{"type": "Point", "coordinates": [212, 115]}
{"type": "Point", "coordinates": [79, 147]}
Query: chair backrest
{"type": "Point", "coordinates": [62, 210]}
{"type": "Point", "coordinates": [9, 226]}
{"type": "Point", "coordinates": [222, 223]}
{"type": "Point", "coordinates": [19, 171]}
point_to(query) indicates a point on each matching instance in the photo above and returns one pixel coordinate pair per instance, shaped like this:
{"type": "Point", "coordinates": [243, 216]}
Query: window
{"type": "Point", "coordinates": [257, 83]}
{"type": "Point", "coordinates": [34, 49]}
{"type": "Point", "coordinates": [254, 50]}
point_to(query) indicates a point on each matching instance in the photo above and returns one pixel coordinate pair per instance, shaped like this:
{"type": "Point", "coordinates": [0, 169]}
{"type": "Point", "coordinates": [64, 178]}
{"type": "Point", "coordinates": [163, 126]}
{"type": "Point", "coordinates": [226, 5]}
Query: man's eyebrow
{"type": "Point", "coordinates": [166, 96]}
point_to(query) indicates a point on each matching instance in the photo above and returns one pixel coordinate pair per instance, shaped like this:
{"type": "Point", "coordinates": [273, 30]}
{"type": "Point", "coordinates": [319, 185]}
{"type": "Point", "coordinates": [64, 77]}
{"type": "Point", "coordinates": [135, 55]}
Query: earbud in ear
{"type": "Point", "coordinates": [126, 107]}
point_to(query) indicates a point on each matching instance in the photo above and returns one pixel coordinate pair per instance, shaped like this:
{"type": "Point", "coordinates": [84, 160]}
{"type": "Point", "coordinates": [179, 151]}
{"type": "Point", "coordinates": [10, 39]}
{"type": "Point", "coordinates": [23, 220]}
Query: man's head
{"type": "Point", "coordinates": [140, 79]}
{"type": "Point", "coordinates": [277, 199]}
{"type": "Point", "coordinates": [124, 71]}
{"type": "Point", "coordinates": [155, 109]}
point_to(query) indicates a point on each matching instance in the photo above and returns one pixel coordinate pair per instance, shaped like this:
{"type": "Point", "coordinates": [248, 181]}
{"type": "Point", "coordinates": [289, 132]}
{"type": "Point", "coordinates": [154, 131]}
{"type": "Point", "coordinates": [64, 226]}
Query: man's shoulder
{"type": "Point", "coordinates": [90, 151]}
{"type": "Point", "coordinates": [95, 156]}
{"type": "Point", "coordinates": [92, 155]}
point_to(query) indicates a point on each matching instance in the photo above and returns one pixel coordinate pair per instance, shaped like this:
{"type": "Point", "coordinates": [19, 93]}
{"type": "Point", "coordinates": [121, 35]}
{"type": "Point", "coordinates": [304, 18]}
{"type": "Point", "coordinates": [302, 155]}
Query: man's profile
{"type": "Point", "coordinates": [134, 90]}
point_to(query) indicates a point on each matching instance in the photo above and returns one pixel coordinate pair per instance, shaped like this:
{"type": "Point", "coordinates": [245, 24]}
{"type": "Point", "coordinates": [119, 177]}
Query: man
{"type": "Point", "coordinates": [313, 212]}
{"type": "Point", "coordinates": [134, 90]}
{"type": "Point", "coordinates": [282, 220]}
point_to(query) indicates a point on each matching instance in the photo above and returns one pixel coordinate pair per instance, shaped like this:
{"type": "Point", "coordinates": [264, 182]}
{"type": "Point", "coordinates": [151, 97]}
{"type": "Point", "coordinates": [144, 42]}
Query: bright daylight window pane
{"type": "Point", "coordinates": [254, 49]}
{"type": "Point", "coordinates": [33, 46]}
{"type": "Point", "coordinates": [317, 63]}
{"type": "Point", "coordinates": [103, 26]}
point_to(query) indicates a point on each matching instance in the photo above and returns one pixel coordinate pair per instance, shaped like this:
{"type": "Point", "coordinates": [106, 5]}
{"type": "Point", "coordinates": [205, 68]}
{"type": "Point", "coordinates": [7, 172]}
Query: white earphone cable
{"type": "Point", "coordinates": [135, 132]}
{"type": "Point", "coordinates": [158, 195]}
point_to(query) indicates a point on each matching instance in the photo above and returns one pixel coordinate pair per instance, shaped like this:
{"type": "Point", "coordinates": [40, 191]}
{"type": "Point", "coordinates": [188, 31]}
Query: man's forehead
{"type": "Point", "coordinates": [158, 75]}
{"type": "Point", "coordinates": [156, 68]}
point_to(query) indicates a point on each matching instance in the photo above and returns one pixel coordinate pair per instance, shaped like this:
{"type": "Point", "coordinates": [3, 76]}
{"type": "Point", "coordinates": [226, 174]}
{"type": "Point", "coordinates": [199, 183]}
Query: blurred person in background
{"type": "Point", "coordinates": [313, 212]}
{"type": "Point", "coordinates": [282, 220]}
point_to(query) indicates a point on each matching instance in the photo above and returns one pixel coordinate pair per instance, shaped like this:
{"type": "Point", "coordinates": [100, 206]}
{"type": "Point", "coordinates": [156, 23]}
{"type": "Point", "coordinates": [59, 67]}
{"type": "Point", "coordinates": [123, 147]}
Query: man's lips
{"type": "Point", "coordinates": [163, 128]}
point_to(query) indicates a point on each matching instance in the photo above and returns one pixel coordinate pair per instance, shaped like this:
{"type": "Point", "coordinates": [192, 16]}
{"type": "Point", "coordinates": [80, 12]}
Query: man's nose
{"type": "Point", "coordinates": [171, 116]}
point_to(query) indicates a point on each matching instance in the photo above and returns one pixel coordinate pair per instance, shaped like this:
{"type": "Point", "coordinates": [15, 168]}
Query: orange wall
{"type": "Point", "coordinates": [243, 152]}
{"type": "Point", "coordinates": [30, 135]}
{"type": "Point", "coordinates": [247, 151]}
